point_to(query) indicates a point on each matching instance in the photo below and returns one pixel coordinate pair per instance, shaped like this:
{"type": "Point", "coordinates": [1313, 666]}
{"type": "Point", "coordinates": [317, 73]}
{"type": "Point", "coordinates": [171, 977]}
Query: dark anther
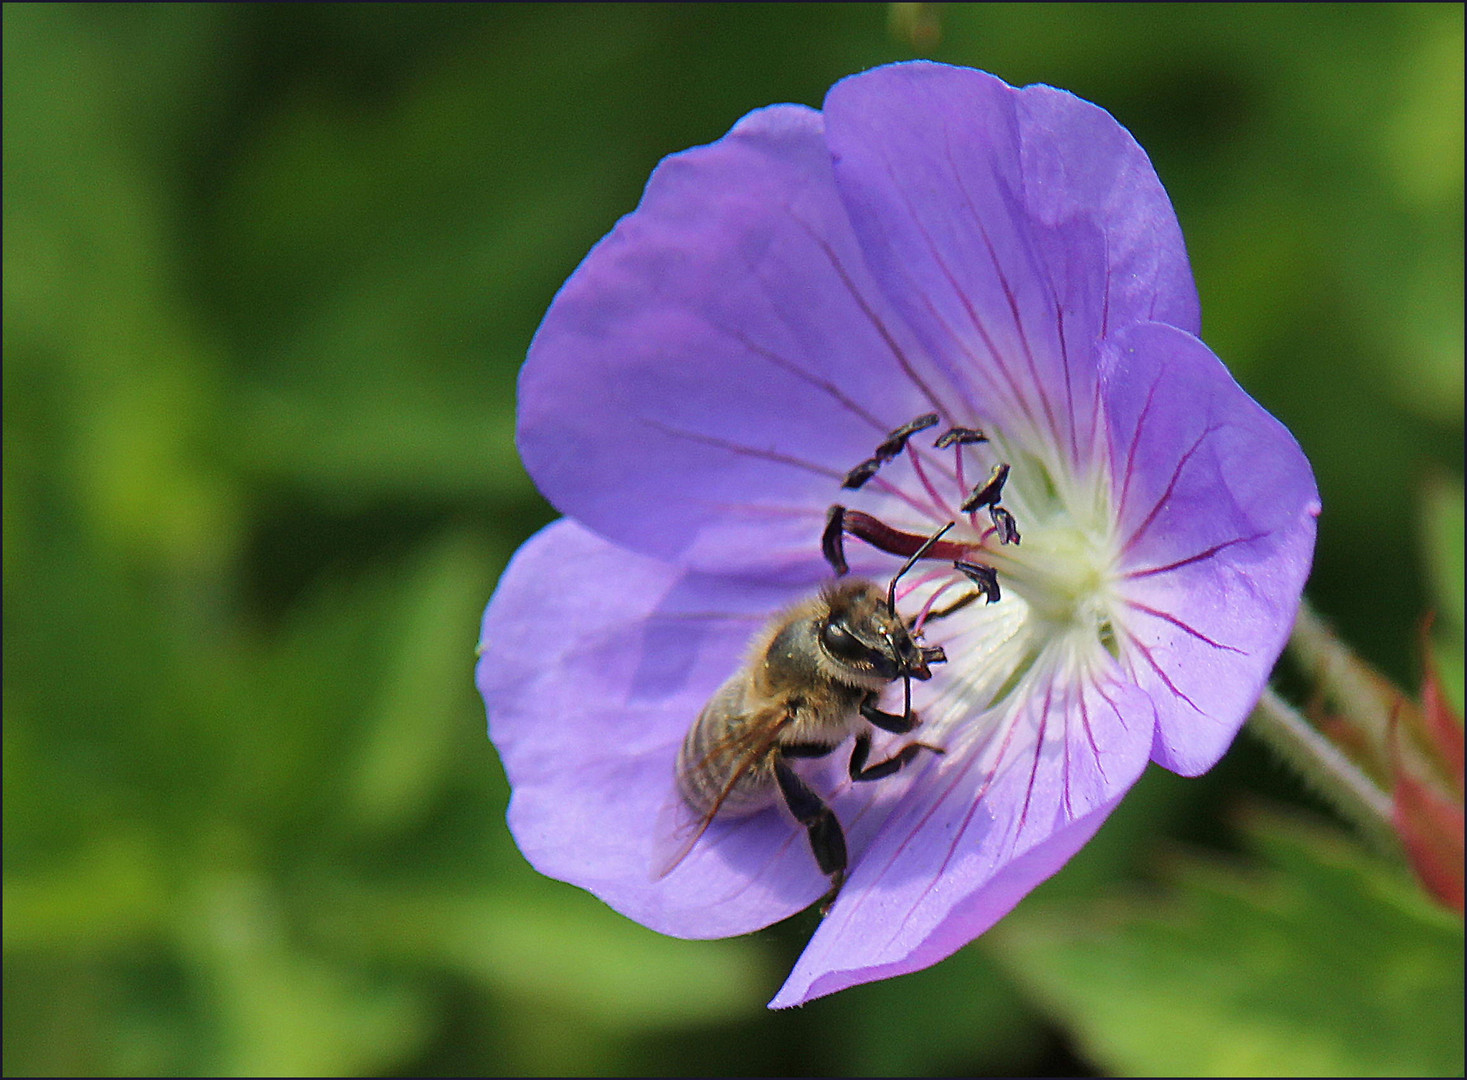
{"type": "Point", "coordinates": [832, 540]}
{"type": "Point", "coordinates": [861, 473]}
{"type": "Point", "coordinates": [964, 436]}
{"type": "Point", "coordinates": [1003, 521]}
{"type": "Point", "coordinates": [893, 444]}
{"type": "Point", "coordinates": [989, 492]}
{"type": "Point", "coordinates": [982, 576]}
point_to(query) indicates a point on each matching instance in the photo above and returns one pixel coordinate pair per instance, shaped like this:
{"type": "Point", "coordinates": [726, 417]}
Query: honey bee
{"type": "Point", "coordinates": [812, 679]}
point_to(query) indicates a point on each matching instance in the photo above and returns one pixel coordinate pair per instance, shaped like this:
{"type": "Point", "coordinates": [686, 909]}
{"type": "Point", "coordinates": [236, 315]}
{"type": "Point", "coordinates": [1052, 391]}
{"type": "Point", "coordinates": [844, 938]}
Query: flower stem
{"type": "Point", "coordinates": [1326, 769]}
{"type": "Point", "coordinates": [1365, 699]}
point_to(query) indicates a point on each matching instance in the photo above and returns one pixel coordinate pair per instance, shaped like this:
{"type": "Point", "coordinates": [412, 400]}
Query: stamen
{"type": "Point", "coordinates": [911, 559]}
{"type": "Point", "coordinates": [989, 492]}
{"type": "Point", "coordinates": [894, 443]}
{"type": "Point", "coordinates": [893, 541]}
{"type": "Point", "coordinates": [861, 473]}
{"type": "Point", "coordinates": [917, 468]}
{"type": "Point", "coordinates": [920, 582]}
{"type": "Point", "coordinates": [926, 656]}
{"type": "Point", "coordinates": [1003, 521]}
{"type": "Point", "coordinates": [896, 542]}
{"type": "Point", "coordinates": [922, 616]}
{"type": "Point", "coordinates": [982, 576]}
{"type": "Point", "coordinates": [959, 436]}
{"type": "Point", "coordinates": [832, 540]}
{"type": "Point", "coordinates": [841, 522]}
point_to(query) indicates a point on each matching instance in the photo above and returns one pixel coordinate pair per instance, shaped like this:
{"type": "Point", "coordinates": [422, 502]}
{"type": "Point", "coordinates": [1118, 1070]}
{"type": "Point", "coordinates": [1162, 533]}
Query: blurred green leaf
{"type": "Point", "coordinates": [1321, 962]}
{"type": "Point", "coordinates": [1443, 541]}
{"type": "Point", "coordinates": [408, 446]}
{"type": "Point", "coordinates": [1423, 141]}
{"type": "Point", "coordinates": [407, 736]}
{"type": "Point", "coordinates": [112, 892]}
{"type": "Point", "coordinates": [545, 945]}
{"type": "Point", "coordinates": [270, 271]}
{"type": "Point", "coordinates": [1443, 534]}
{"type": "Point", "coordinates": [964, 1016]}
{"type": "Point", "coordinates": [281, 1010]}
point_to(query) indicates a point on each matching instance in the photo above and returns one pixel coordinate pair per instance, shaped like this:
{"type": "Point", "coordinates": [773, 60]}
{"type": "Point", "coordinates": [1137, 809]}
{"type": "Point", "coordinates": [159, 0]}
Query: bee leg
{"type": "Point", "coordinates": [827, 840]}
{"type": "Point", "coordinates": [859, 770]}
{"type": "Point", "coordinates": [956, 606]}
{"type": "Point", "coordinates": [898, 725]}
{"type": "Point", "coordinates": [804, 750]}
{"type": "Point", "coordinates": [836, 881]}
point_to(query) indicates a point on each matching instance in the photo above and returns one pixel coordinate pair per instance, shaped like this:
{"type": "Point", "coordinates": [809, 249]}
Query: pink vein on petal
{"type": "Point", "coordinates": [1019, 328]}
{"type": "Point", "coordinates": [903, 361]}
{"type": "Point", "coordinates": [962, 347]}
{"type": "Point", "coordinates": [1201, 556]}
{"type": "Point", "coordinates": [962, 830]}
{"type": "Point", "coordinates": [1017, 396]}
{"type": "Point", "coordinates": [1038, 750]}
{"type": "Point", "coordinates": [725, 833]}
{"type": "Point", "coordinates": [1090, 733]}
{"type": "Point", "coordinates": [1165, 495]}
{"type": "Point", "coordinates": [1131, 449]}
{"type": "Point", "coordinates": [937, 502]}
{"type": "Point", "coordinates": [814, 380]}
{"type": "Point", "coordinates": [1180, 625]}
{"type": "Point", "coordinates": [892, 488]}
{"type": "Point", "coordinates": [1065, 773]}
{"type": "Point", "coordinates": [739, 448]}
{"type": "Point", "coordinates": [1146, 652]}
{"type": "Point", "coordinates": [1059, 314]}
{"type": "Point", "coordinates": [1008, 291]}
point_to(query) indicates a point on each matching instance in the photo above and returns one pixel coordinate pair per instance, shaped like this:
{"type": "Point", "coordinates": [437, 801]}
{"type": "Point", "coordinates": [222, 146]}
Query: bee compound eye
{"type": "Point", "coordinates": [842, 644]}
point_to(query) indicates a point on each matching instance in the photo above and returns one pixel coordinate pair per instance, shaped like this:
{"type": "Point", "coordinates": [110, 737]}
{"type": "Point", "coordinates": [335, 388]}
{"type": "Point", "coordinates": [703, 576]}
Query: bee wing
{"type": "Point", "coordinates": [680, 826]}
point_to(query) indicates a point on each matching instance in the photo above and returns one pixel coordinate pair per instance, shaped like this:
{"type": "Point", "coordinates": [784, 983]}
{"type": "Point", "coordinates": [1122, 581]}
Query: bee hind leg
{"type": "Point", "coordinates": [827, 839]}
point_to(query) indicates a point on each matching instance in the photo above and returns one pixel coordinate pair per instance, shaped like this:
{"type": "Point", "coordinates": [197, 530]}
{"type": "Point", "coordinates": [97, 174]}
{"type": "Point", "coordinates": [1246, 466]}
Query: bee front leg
{"type": "Point", "coordinates": [827, 839]}
{"type": "Point", "coordinates": [897, 725]}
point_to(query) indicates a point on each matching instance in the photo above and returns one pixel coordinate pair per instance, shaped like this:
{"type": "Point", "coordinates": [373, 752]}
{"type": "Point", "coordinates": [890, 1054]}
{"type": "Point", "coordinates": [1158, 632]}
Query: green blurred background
{"type": "Point", "coordinates": [269, 274]}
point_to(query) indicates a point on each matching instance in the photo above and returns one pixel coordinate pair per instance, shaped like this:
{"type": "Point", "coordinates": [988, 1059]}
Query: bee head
{"type": "Point", "coordinates": [864, 638]}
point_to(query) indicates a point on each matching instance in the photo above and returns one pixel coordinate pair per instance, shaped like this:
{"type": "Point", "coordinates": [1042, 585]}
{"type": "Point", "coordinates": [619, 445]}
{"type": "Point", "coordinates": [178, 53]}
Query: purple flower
{"type": "Point", "coordinates": [747, 340]}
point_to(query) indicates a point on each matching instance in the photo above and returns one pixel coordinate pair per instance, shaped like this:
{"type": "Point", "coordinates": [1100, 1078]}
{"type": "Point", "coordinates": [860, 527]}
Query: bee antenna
{"type": "Point", "coordinates": [911, 561]}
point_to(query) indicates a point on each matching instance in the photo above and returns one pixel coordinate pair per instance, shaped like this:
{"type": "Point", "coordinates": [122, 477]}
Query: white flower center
{"type": "Point", "coordinates": [1009, 615]}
